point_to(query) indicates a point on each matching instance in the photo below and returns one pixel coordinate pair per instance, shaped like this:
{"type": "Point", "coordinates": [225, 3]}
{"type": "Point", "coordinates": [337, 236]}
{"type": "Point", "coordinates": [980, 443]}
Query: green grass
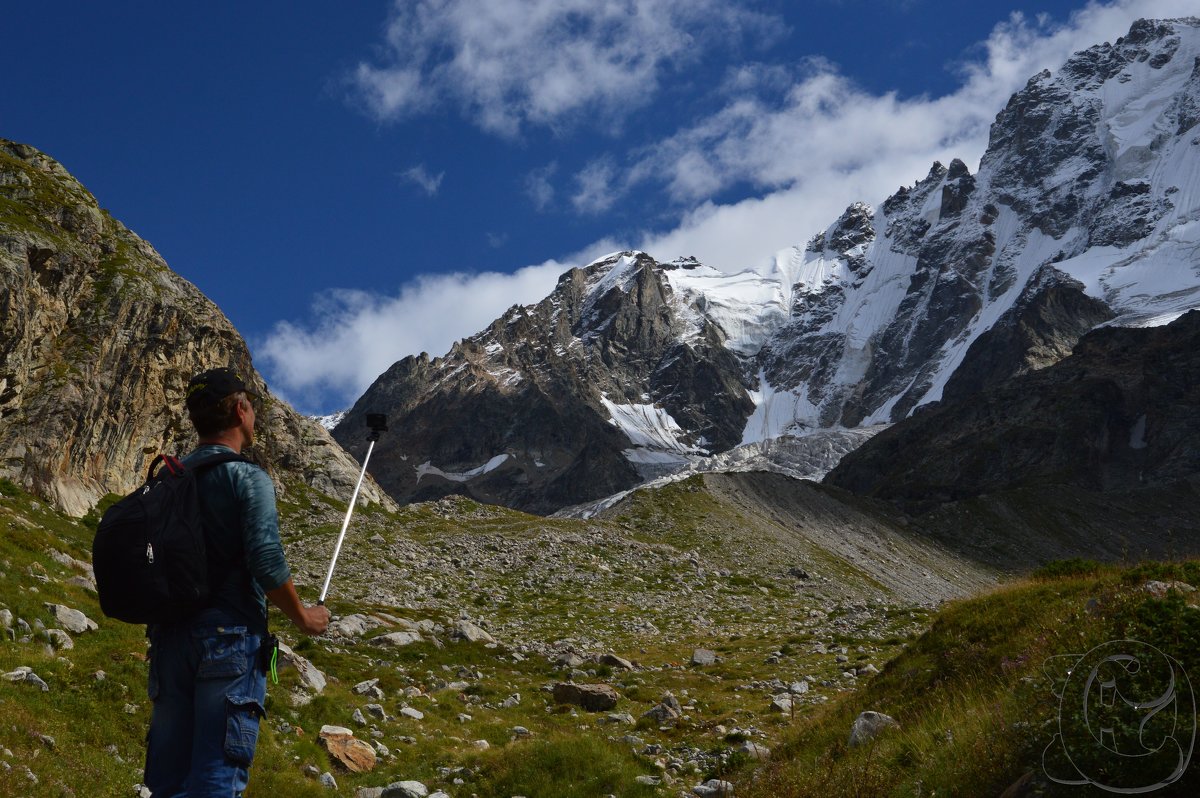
{"type": "Point", "coordinates": [560, 766]}
{"type": "Point", "coordinates": [966, 682]}
{"type": "Point", "coordinates": [975, 695]}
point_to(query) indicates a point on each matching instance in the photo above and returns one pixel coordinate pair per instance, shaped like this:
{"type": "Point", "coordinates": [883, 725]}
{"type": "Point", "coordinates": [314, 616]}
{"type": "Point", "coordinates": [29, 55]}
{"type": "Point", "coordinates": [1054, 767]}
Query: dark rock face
{"type": "Point", "coordinates": [530, 391]}
{"type": "Point", "coordinates": [98, 338]}
{"type": "Point", "coordinates": [1042, 328]}
{"type": "Point", "coordinates": [1119, 413]}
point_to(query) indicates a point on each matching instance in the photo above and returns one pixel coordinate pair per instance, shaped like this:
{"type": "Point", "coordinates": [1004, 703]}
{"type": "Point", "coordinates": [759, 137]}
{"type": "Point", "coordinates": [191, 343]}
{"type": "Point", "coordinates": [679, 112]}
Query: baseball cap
{"type": "Point", "coordinates": [210, 387]}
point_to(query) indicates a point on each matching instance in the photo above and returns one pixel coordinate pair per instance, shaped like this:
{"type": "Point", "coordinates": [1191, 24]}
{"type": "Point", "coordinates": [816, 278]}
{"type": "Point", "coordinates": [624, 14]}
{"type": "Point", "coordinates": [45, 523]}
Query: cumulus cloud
{"type": "Point", "coordinates": [506, 63]}
{"type": "Point", "coordinates": [420, 176]}
{"type": "Point", "coordinates": [355, 336]}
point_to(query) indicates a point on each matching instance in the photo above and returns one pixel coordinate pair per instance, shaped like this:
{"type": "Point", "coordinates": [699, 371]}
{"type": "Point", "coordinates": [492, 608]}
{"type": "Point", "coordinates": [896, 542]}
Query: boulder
{"type": "Point", "coordinates": [868, 725]}
{"type": "Point", "coordinates": [661, 714]}
{"type": "Point", "coordinates": [465, 630]}
{"type": "Point", "coordinates": [357, 756]}
{"type": "Point", "coordinates": [311, 678]}
{"type": "Point", "coordinates": [405, 789]}
{"type": "Point", "coordinates": [713, 788]}
{"type": "Point", "coordinates": [702, 657]}
{"type": "Point", "coordinates": [396, 639]}
{"type": "Point", "coordinates": [72, 620]}
{"type": "Point", "coordinates": [614, 661]}
{"type": "Point", "coordinates": [592, 697]}
{"type": "Point", "coordinates": [754, 751]}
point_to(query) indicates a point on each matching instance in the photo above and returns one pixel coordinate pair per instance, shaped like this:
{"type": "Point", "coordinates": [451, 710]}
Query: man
{"type": "Point", "coordinates": [206, 683]}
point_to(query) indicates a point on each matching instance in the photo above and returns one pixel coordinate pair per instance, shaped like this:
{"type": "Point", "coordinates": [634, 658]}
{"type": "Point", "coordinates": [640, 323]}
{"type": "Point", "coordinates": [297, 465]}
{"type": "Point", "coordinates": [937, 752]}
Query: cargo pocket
{"type": "Point", "coordinates": [242, 715]}
{"type": "Point", "coordinates": [222, 652]}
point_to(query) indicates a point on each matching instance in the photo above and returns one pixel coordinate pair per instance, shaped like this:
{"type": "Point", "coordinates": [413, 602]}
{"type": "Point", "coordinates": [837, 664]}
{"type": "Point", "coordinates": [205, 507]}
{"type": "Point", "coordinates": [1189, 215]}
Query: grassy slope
{"type": "Point", "coordinates": [761, 628]}
{"type": "Point", "coordinates": [975, 695]}
{"type": "Point", "coordinates": [975, 708]}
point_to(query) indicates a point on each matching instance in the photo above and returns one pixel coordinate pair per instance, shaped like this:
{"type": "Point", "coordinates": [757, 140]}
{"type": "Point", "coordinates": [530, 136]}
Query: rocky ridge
{"type": "Point", "coordinates": [98, 338]}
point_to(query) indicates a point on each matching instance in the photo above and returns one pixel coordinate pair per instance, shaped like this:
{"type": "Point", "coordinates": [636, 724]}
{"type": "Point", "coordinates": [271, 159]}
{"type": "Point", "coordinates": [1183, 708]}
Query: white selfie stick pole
{"type": "Point", "coordinates": [378, 424]}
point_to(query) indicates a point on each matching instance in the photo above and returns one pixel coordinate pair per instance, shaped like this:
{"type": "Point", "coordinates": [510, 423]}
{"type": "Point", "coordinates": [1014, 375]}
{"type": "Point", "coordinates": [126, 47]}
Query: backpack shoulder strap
{"type": "Point", "coordinates": [217, 459]}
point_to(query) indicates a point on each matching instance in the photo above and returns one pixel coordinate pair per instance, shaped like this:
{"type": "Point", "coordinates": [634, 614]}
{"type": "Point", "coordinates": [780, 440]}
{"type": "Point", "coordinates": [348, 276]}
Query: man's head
{"type": "Point", "coordinates": [218, 400]}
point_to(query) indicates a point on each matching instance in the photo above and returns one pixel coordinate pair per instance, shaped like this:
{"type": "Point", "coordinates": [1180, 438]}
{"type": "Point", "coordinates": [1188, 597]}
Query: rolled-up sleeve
{"type": "Point", "coordinates": [260, 528]}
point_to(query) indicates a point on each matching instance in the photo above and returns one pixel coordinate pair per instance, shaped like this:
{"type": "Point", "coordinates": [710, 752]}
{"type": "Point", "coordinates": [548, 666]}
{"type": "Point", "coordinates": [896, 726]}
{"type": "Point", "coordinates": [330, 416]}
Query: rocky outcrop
{"type": "Point", "coordinates": [98, 338]}
{"type": "Point", "coordinates": [1042, 328]}
{"type": "Point", "coordinates": [1117, 415]}
{"type": "Point", "coordinates": [522, 413]}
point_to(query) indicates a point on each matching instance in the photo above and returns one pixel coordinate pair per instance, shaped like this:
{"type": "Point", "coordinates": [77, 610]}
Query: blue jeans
{"type": "Point", "coordinates": [207, 689]}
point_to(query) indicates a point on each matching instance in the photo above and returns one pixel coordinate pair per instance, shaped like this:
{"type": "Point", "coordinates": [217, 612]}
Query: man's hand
{"type": "Point", "coordinates": [316, 619]}
{"type": "Point", "coordinates": [310, 620]}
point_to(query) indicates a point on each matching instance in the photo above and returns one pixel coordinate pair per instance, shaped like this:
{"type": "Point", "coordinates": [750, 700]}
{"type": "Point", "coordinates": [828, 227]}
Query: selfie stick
{"type": "Point", "coordinates": [377, 423]}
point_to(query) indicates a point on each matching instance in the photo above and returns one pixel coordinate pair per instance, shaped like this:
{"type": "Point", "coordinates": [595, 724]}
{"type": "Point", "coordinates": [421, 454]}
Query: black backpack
{"type": "Point", "coordinates": [150, 555]}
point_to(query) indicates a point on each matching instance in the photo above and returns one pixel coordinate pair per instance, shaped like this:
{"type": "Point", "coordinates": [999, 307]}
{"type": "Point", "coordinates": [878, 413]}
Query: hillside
{"type": "Point", "coordinates": [98, 338]}
{"type": "Point", "coordinates": [456, 625]}
{"type": "Point", "coordinates": [626, 601]}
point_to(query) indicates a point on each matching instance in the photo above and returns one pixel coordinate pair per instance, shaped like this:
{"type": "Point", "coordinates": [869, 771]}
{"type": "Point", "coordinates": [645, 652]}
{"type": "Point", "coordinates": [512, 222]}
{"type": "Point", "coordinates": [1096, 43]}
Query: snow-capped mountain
{"type": "Point", "coordinates": [1085, 210]}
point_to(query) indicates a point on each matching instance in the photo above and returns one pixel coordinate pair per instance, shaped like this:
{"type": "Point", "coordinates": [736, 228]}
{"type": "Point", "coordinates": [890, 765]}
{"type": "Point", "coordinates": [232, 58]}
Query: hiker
{"type": "Point", "coordinates": [207, 681]}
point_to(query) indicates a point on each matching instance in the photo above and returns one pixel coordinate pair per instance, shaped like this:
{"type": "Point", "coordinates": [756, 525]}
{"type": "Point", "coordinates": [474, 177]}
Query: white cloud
{"type": "Point", "coordinates": [538, 186]}
{"type": "Point", "coordinates": [357, 336]}
{"type": "Point", "coordinates": [506, 63]}
{"type": "Point", "coordinates": [595, 192]}
{"type": "Point", "coordinates": [421, 177]}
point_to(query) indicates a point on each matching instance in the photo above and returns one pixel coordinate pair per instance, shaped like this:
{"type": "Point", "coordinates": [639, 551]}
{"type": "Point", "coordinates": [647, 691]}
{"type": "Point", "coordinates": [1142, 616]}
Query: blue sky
{"type": "Point", "coordinates": [355, 182]}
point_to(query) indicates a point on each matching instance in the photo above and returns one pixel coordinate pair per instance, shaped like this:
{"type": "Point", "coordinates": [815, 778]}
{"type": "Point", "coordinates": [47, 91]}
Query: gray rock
{"type": "Point", "coordinates": [396, 639]}
{"type": "Point", "coordinates": [72, 620]}
{"type": "Point", "coordinates": [619, 717]}
{"type": "Point", "coordinates": [465, 630]}
{"type": "Point", "coordinates": [25, 674]}
{"type": "Point", "coordinates": [661, 714]}
{"type": "Point", "coordinates": [352, 626]}
{"type": "Point", "coordinates": [614, 661]}
{"type": "Point", "coordinates": [592, 697]}
{"type": "Point", "coordinates": [713, 788]}
{"type": "Point", "coordinates": [328, 781]}
{"type": "Point", "coordinates": [755, 751]}
{"type": "Point", "coordinates": [868, 725]}
{"type": "Point", "coordinates": [409, 712]}
{"type": "Point", "coordinates": [369, 688]}
{"type": "Point", "coordinates": [60, 639]}
{"type": "Point", "coordinates": [405, 789]}
{"type": "Point", "coordinates": [702, 657]}
{"type": "Point", "coordinates": [86, 582]}
{"type": "Point", "coordinates": [6, 619]}
{"type": "Point", "coordinates": [310, 677]}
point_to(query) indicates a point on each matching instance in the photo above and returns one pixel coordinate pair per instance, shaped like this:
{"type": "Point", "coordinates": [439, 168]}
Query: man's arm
{"type": "Point", "coordinates": [310, 620]}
